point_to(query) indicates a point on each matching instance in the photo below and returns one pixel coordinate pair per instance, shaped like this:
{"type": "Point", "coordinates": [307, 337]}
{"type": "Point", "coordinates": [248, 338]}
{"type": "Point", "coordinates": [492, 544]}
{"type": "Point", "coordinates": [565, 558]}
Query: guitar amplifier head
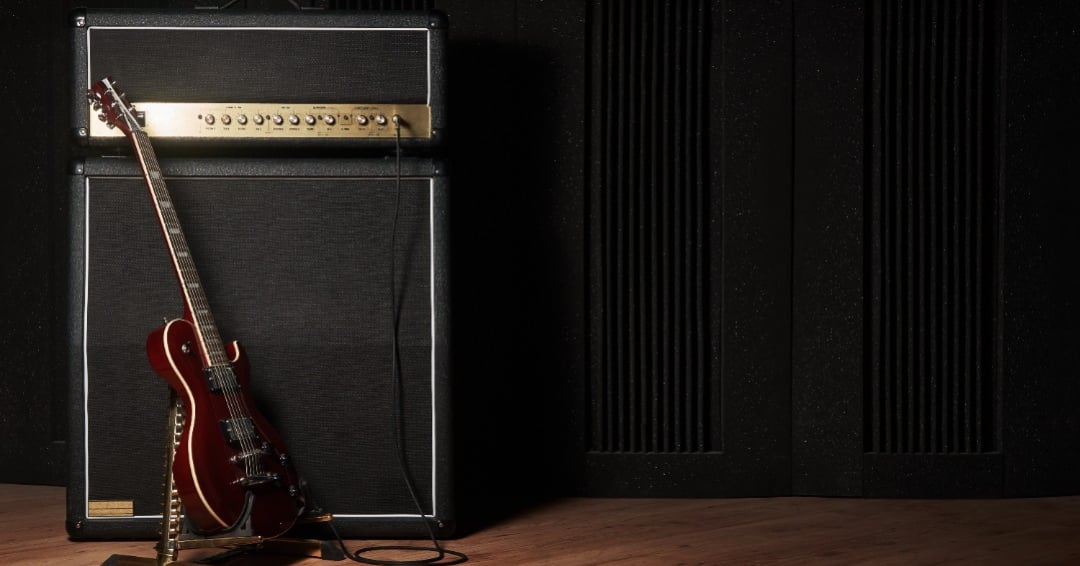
{"type": "Point", "coordinates": [348, 79]}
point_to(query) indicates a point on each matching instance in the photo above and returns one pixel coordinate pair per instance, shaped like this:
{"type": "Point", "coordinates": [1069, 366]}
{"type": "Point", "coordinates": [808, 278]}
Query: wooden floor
{"type": "Point", "coordinates": [791, 530]}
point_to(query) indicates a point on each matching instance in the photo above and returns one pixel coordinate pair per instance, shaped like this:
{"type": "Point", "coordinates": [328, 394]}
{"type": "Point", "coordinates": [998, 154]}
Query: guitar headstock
{"type": "Point", "coordinates": [108, 100]}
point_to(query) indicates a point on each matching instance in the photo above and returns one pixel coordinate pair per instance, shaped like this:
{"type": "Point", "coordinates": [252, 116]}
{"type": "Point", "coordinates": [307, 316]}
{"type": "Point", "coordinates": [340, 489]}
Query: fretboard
{"type": "Point", "coordinates": [197, 307]}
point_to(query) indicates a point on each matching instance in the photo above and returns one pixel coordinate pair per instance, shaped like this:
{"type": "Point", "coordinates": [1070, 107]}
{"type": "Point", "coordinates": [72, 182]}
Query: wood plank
{"type": "Point", "coordinates": [575, 531]}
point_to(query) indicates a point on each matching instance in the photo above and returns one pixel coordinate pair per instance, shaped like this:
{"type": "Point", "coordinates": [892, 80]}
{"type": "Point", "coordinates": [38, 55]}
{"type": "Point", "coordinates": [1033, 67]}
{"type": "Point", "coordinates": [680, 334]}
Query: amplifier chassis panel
{"type": "Point", "coordinates": [256, 79]}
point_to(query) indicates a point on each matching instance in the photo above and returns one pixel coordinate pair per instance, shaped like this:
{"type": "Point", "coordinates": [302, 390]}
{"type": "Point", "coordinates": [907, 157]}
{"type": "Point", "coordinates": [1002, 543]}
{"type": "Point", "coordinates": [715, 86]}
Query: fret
{"type": "Point", "coordinates": [190, 285]}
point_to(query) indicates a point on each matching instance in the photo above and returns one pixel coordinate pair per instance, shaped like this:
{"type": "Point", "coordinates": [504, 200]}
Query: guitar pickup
{"type": "Point", "coordinates": [221, 378]}
{"type": "Point", "coordinates": [237, 430]}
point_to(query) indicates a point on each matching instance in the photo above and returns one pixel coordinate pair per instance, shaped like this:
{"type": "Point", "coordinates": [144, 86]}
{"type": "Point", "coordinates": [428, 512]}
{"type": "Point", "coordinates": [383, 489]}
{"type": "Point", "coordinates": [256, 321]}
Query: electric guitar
{"type": "Point", "coordinates": [231, 469]}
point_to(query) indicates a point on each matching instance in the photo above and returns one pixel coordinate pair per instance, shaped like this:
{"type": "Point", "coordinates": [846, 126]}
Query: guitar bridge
{"type": "Point", "coordinates": [253, 480]}
{"type": "Point", "coordinates": [245, 455]}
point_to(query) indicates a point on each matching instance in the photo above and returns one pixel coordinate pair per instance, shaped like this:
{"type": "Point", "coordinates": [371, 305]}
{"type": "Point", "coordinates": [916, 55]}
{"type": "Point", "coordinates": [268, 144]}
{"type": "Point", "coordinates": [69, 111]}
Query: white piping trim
{"type": "Point", "coordinates": [434, 369]}
{"type": "Point", "coordinates": [86, 381]}
{"type": "Point", "coordinates": [85, 357]}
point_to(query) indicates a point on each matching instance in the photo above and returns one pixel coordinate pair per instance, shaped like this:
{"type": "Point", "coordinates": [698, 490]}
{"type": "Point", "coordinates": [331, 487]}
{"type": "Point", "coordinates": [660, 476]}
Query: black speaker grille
{"type": "Point", "coordinates": [298, 271]}
{"type": "Point", "coordinates": [931, 385]}
{"type": "Point", "coordinates": [653, 391]}
{"type": "Point", "coordinates": [277, 65]}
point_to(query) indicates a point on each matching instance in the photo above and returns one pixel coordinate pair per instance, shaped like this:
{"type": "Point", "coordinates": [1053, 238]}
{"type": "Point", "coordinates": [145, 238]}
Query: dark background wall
{"type": "Point", "coordinates": [701, 247]}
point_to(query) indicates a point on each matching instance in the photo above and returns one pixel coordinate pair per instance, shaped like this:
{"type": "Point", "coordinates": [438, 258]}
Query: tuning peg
{"type": "Point", "coordinates": [101, 117]}
{"type": "Point", "coordinates": [96, 106]}
{"type": "Point", "coordinates": [110, 125]}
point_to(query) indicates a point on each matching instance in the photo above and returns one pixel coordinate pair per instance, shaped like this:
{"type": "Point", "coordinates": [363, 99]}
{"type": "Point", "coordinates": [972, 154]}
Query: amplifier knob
{"type": "Point", "coordinates": [381, 120]}
{"type": "Point", "coordinates": [242, 119]}
{"type": "Point", "coordinates": [310, 120]}
{"type": "Point", "coordinates": [362, 120]}
{"type": "Point", "coordinates": [209, 119]}
{"type": "Point", "coordinates": [294, 119]}
{"type": "Point", "coordinates": [258, 119]}
{"type": "Point", "coordinates": [226, 119]}
{"type": "Point", "coordinates": [278, 120]}
{"type": "Point", "coordinates": [329, 120]}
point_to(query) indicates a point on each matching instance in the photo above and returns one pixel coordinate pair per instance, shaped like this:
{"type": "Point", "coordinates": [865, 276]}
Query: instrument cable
{"type": "Point", "coordinates": [443, 556]}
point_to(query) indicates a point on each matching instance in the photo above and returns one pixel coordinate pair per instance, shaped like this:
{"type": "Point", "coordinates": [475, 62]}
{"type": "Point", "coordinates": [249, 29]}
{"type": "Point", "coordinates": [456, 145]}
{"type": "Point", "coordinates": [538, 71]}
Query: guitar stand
{"type": "Point", "coordinates": [177, 535]}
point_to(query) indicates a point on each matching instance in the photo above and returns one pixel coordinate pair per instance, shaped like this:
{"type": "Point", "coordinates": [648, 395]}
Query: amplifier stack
{"type": "Point", "coordinates": [295, 253]}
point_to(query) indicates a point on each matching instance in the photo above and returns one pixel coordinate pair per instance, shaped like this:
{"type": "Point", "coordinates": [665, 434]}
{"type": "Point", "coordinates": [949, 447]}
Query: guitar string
{"type": "Point", "coordinates": [158, 191]}
{"type": "Point", "coordinates": [212, 344]}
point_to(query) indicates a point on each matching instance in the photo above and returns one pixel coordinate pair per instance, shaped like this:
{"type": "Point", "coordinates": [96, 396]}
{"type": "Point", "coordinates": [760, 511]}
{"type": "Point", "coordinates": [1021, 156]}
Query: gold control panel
{"type": "Point", "coordinates": [275, 121]}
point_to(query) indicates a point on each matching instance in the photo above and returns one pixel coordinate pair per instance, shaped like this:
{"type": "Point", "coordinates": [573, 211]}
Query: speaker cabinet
{"type": "Point", "coordinates": [296, 258]}
{"type": "Point", "coordinates": [262, 79]}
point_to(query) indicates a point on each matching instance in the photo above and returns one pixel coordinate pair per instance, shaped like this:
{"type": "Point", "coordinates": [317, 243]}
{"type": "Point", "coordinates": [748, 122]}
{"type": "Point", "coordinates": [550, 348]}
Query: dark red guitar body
{"type": "Point", "coordinates": [208, 477]}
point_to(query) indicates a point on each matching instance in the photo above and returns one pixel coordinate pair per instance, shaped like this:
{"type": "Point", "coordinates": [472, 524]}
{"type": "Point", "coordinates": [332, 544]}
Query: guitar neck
{"type": "Point", "coordinates": [197, 308]}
